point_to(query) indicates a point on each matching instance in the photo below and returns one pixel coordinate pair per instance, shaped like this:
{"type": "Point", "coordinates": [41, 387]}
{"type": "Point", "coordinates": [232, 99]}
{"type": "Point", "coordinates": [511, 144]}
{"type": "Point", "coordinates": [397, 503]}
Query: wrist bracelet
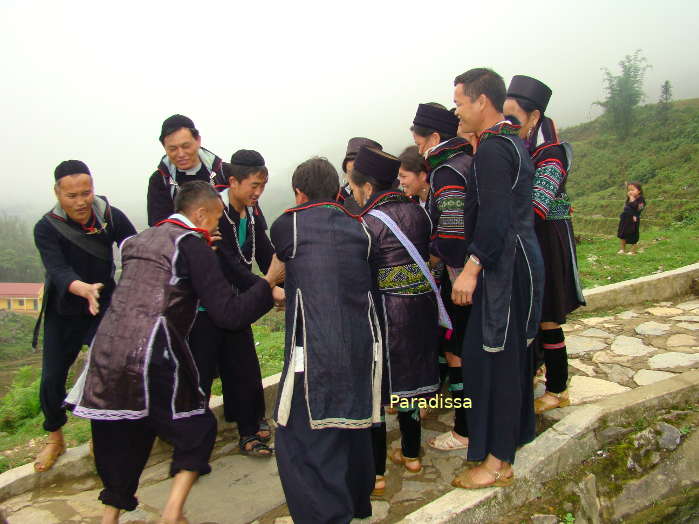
{"type": "Point", "coordinates": [475, 260]}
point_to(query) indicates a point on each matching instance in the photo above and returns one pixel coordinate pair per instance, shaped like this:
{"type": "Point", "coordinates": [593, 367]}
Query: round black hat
{"type": "Point", "coordinates": [248, 158]}
{"type": "Point", "coordinates": [531, 89]}
{"type": "Point", "coordinates": [377, 164]}
{"type": "Point", "coordinates": [173, 123]}
{"type": "Point", "coordinates": [70, 167]}
{"type": "Point", "coordinates": [353, 148]}
{"type": "Point", "coordinates": [437, 118]}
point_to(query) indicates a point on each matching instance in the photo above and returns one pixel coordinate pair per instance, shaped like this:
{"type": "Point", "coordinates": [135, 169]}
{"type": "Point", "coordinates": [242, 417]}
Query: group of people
{"type": "Point", "coordinates": [453, 262]}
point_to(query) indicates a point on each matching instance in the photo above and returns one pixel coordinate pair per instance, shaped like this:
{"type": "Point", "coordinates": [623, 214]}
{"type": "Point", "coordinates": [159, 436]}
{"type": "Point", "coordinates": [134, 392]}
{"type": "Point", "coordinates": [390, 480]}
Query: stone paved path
{"type": "Point", "coordinates": [607, 355]}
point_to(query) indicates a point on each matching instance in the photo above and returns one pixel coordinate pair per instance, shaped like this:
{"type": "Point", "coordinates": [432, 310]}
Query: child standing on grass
{"type": "Point", "coordinates": [630, 218]}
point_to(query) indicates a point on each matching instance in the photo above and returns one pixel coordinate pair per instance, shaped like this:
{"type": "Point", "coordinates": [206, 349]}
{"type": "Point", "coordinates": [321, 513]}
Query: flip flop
{"type": "Point", "coordinates": [464, 480]}
{"type": "Point", "coordinates": [48, 457]}
{"type": "Point", "coordinates": [398, 458]}
{"type": "Point", "coordinates": [446, 442]}
{"type": "Point", "coordinates": [257, 449]}
{"type": "Point", "coordinates": [378, 492]}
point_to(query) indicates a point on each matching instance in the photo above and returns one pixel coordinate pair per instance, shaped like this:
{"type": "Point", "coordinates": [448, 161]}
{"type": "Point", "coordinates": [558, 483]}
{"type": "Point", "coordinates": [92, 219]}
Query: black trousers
{"type": "Point", "coordinates": [327, 474]}
{"type": "Point", "coordinates": [64, 336]}
{"type": "Point", "coordinates": [232, 356]}
{"type": "Point", "coordinates": [122, 447]}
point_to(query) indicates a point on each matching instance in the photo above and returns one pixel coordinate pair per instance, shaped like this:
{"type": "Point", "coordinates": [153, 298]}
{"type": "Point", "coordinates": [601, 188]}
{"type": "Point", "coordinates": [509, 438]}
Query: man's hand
{"type": "Point", "coordinates": [275, 273]}
{"type": "Point", "coordinates": [215, 237]}
{"type": "Point", "coordinates": [465, 285]}
{"type": "Point", "coordinates": [90, 292]}
{"type": "Point", "coordinates": [279, 297]}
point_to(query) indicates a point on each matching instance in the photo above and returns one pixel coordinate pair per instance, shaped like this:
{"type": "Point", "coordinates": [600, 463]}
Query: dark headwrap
{"type": "Point", "coordinates": [436, 118]}
{"type": "Point", "coordinates": [70, 167]}
{"type": "Point", "coordinates": [377, 164]}
{"type": "Point", "coordinates": [174, 123]}
{"type": "Point", "coordinates": [353, 148]}
{"type": "Point", "coordinates": [247, 158]}
{"type": "Point", "coordinates": [530, 89]}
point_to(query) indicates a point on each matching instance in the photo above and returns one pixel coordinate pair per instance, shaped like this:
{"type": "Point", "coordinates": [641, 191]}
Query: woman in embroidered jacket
{"type": "Point", "coordinates": [405, 299]}
{"type": "Point", "coordinates": [448, 158]}
{"type": "Point", "coordinates": [503, 279]}
{"type": "Point", "coordinates": [527, 99]}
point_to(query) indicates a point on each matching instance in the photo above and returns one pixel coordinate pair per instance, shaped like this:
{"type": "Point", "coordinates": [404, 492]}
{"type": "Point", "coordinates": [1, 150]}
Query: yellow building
{"type": "Point", "coordinates": [21, 297]}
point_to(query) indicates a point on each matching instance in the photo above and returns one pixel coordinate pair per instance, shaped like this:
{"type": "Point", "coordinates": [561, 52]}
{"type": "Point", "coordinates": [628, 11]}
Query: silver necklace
{"type": "Point", "coordinates": [237, 240]}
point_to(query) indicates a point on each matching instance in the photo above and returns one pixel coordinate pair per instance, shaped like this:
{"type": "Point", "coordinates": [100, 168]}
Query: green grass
{"type": "Point", "coordinates": [659, 250]}
{"type": "Point", "coordinates": [15, 335]}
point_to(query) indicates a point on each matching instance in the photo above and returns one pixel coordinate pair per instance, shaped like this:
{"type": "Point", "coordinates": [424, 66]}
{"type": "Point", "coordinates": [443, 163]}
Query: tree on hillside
{"type": "Point", "coordinates": [19, 259]}
{"type": "Point", "coordinates": [624, 92]}
{"type": "Point", "coordinates": [665, 100]}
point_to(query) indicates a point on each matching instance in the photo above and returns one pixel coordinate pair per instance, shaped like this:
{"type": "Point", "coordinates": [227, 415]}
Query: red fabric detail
{"type": "Point", "coordinates": [378, 201]}
{"type": "Point", "coordinates": [460, 237]}
{"type": "Point", "coordinates": [207, 235]}
{"type": "Point", "coordinates": [540, 213]}
{"type": "Point", "coordinates": [318, 204]}
{"type": "Point", "coordinates": [557, 345]}
{"type": "Point", "coordinates": [448, 187]}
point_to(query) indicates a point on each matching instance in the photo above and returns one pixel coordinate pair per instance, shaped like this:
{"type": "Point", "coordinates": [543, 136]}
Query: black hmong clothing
{"type": "Point", "coordinates": [554, 230]}
{"type": "Point", "coordinates": [406, 303]}
{"type": "Point", "coordinates": [345, 197]}
{"type": "Point", "coordinates": [70, 252]}
{"type": "Point", "coordinates": [451, 205]}
{"type": "Point", "coordinates": [496, 360]}
{"type": "Point", "coordinates": [164, 182]}
{"type": "Point", "coordinates": [331, 314]}
{"type": "Point", "coordinates": [167, 270]}
{"type": "Point", "coordinates": [628, 227]}
{"type": "Point", "coordinates": [231, 354]}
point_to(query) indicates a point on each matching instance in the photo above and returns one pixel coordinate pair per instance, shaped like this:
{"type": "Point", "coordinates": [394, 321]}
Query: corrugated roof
{"type": "Point", "coordinates": [20, 289]}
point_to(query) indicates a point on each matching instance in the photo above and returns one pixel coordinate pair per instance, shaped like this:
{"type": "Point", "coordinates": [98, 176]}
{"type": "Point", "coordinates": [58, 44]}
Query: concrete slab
{"type": "Point", "coordinates": [577, 345]}
{"type": "Point", "coordinates": [673, 360]}
{"type": "Point", "coordinates": [652, 328]}
{"type": "Point", "coordinates": [630, 346]}
{"type": "Point", "coordinates": [586, 389]}
{"type": "Point", "coordinates": [238, 490]}
{"type": "Point", "coordinates": [644, 377]}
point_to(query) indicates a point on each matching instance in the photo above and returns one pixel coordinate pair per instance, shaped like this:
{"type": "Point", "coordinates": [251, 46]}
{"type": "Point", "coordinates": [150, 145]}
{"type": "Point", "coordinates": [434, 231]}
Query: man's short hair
{"type": "Point", "coordinates": [317, 179]}
{"type": "Point", "coordinates": [193, 194]}
{"type": "Point", "coordinates": [483, 81]}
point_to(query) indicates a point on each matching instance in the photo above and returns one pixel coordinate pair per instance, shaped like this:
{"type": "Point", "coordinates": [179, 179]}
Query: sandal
{"type": "Point", "coordinates": [397, 457]}
{"type": "Point", "coordinates": [446, 442]}
{"type": "Point", "coordinates": [48, 456]}
{"type": "Point", "coordinates": [551, 400]}
{"type": "Point", "coordinates": [378, 491]}
{"type": "Point", "coordinates": [464, 480]}
{"type": "Point", "coordinates": [257, 447]}
{"type": "Point", "coordinates": [264, 426]}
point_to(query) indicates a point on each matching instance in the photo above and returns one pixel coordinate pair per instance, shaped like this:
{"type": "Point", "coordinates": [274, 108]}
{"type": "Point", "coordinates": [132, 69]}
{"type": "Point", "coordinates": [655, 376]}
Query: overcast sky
{"type": "Point", "coordinates": [94, 80]}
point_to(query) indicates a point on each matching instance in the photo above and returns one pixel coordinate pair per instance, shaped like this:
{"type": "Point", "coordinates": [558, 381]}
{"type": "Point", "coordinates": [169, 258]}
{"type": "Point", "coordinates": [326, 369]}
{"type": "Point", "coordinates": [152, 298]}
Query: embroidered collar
{"type": "Point", "coordinates": [501, 128]}
{"type": "Point", "coordinates": [319, 203]}
{"type": "Point", "coordinates": [98, 219]}
{"type": "Point", "coordinates": [446, 150]}
{"type": "Point", "coordinates": [184, 222]}
{"type": "Point", "coordinates": [384, 197]}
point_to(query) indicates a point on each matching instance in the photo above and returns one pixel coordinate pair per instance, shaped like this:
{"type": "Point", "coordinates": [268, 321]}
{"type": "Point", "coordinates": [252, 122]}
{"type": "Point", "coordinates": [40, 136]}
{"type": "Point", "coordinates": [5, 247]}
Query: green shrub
{"type": "Point", "coordinates": [22, 400]}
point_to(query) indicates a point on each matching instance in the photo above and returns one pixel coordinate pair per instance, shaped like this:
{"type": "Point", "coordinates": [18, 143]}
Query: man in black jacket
{"type": "Point", "coordinates": [75, 243]}
{"type": "Point", "coordinates": [185, 160]}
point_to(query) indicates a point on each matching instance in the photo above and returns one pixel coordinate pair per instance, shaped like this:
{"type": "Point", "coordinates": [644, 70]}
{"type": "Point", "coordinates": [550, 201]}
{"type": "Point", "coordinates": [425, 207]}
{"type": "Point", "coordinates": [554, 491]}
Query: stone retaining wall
{"type": "Point", "coordinates": [651, 288]}
{"type": "Point", "coordinates": [556, 451]}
